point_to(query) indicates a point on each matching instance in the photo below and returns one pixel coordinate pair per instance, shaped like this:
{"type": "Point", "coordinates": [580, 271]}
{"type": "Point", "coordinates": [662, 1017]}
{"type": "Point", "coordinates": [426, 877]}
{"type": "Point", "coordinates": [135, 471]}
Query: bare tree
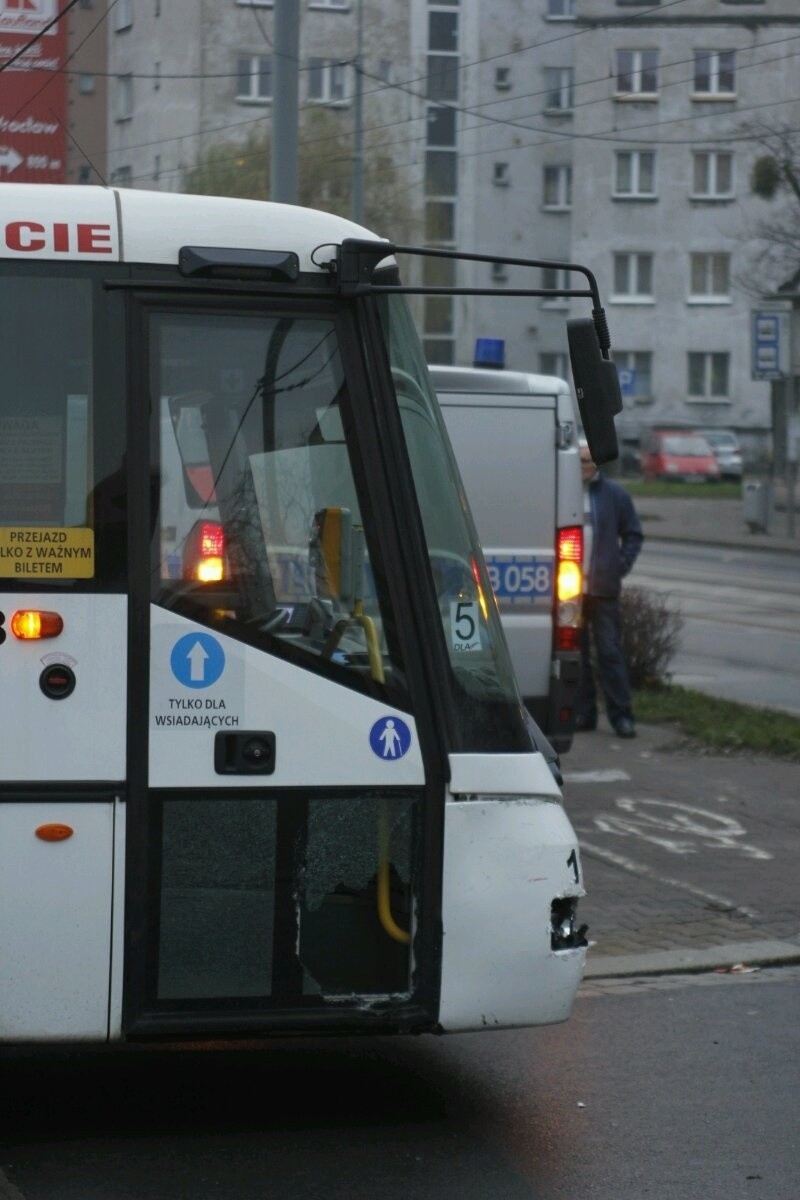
{"type": "Point", "coordinates": [325, 167]}
{"type": "Point", "coordinates": [775, 177]}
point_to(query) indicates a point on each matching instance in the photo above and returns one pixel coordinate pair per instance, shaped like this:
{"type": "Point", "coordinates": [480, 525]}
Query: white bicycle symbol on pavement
{"type": "Point", "coordinates": [678, 828]}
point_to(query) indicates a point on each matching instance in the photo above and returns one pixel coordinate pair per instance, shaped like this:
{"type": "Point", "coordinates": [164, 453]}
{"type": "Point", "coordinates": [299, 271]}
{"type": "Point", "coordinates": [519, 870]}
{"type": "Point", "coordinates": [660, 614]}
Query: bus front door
{"type": "Point", "coordinates": [277, 831]}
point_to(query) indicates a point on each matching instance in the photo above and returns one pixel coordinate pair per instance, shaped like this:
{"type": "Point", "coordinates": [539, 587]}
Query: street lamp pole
{"type": "Point", "coordinates": [283, 159]}
{"type": "Point", "coordinates": [358, 132]}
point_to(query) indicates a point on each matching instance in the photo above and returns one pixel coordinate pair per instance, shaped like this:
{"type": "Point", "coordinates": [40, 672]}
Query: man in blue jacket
{"type": "Point", "coordinates": [612, 541]}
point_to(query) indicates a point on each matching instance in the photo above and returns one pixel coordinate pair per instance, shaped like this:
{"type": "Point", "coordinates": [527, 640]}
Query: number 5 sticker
{"type": "Point", "coordinates": [464, 625]}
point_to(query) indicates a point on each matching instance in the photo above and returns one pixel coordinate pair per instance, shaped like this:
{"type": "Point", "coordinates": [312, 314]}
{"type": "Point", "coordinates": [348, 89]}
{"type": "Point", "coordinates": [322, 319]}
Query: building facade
{"type": "Point", "coordinates": [616, 133]}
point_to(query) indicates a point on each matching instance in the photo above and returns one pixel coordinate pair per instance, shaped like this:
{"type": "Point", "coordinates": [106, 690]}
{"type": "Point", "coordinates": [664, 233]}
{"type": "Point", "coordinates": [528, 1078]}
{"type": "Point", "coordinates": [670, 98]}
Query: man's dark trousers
{"type": "Point", "coordinates": [601, 615]}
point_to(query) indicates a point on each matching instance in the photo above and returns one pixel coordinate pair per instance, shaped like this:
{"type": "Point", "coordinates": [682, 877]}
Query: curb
{"type": "Point", "coordinates": [781, 545]}
{"type": "Point", "coordinates": [671, 962]}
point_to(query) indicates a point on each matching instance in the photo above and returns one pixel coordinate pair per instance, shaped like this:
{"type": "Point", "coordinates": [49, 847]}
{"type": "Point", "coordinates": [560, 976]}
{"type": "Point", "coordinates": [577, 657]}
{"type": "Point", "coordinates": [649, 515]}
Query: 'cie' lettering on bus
{"type": "Point", "coordinates": [59, 236]}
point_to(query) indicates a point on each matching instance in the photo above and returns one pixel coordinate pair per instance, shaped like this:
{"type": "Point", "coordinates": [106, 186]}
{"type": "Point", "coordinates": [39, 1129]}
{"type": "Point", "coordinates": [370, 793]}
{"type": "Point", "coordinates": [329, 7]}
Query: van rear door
{"type": "Point", "coordinates": [506, 444]}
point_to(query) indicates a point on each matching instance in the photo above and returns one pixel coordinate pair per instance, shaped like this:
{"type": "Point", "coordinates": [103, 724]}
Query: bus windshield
{"type": "Point", "coordinates": [470, 620]}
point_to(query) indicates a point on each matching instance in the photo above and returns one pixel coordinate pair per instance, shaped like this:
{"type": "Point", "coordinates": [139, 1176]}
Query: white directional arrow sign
{"type": "Point", "coordinates": [9, 158]}
{"type": "Point", "coordinates": [197, 663]}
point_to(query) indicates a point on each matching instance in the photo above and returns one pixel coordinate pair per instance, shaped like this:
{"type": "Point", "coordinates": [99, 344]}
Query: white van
{"type": "Point", "coordinates": [515, 436]}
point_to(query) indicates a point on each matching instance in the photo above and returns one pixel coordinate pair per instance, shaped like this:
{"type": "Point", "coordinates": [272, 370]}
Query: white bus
{"type": "Point", "coordinates": [264, 767]}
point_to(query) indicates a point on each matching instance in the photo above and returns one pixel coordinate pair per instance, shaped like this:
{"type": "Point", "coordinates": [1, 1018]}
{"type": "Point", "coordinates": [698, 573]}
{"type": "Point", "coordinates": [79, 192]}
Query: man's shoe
{"type": "Point", "coordinates": [625, 728]}
{"type": "Point", "coordinates": [585, 724]}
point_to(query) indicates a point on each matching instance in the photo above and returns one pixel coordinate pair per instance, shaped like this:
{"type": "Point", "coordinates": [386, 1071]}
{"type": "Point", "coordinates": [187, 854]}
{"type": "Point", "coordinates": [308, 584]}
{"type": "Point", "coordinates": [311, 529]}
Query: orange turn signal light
{"type": "Point", "coordinates": [30, 623]}
{"type": "Point", "coordinates": [54, 831]}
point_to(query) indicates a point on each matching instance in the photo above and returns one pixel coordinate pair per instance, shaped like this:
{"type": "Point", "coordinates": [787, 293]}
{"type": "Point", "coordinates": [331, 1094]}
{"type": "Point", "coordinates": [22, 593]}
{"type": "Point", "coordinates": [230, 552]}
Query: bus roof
{"type": "Point", "coordinates": [91, 224]}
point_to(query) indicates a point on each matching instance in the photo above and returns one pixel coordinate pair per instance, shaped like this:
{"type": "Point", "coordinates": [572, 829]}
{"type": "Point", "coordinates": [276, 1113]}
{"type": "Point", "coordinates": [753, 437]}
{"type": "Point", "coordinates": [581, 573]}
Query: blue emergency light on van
{"type": "Point", "coordinates": [490, 352]}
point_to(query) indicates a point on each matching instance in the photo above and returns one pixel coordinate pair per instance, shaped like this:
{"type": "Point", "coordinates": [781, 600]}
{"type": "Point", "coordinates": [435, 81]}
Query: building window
{"type": "Point", "coordinates": [440, 221]}
{"type": "Point", "coordinates": [557, 188]}
{"type": "Point", "coordinates": [635, 173]}
{"type": "Point", "coordinates": [712, 177]}
{"type": "Point", "coordinates": [438, 351]}
{"type": "Point", "coordinates": [156, 167]}
{"type": "Point", "coordinates": [442, 77]}
{"type": "Point", "coordinates": [714, 72]}
{"type": "Point", "coordinates": [710, 277]}
{"type": "Point", "coordinates": [558, 89]}
{"type": "Point", "coordinates": [385, 70]}
{"type": "Point", "coordinates": [556, 277]}
{"type": "Point", "coordinates": [553, 363]}
{"type": "Point", "coordinates": [156, 76]}
{"type": "Point", "coordinates": [502, 78]}
{"type": "Point", "coordinates": [329, 4]}
{"type": "Point", "coordinates": [124, 97]}
{"type": "Point", "coordinates": [122, 177]}
{"type": "Point", "coordinates": [499, 272]}
{"type": "Point", "coordinates": [253, 78]}
{"type": "Point", "coordinates": [443, 31]}
{"type": "Point", "coordinates": [635, 371]}
{"type": "Point", "coordinates": [441, 127]}
{"type": "Point", "coordinates": [440, 173]}
{"type": "Point", "coordinates": [501, 177]}
{"type": "Point", "coordinates": [708, 376]}
{"type": "Point", "coordinates": [561, 9]}
{"type": "Point", "coordinates": [438, 314]}
{"type": "Point", "coordinates": [84, 173]}
{"type": "Point", "coordinates": [637, 72]}
{"type": "Point", "coordinates": [326, 81]}
{"type": "Point", "coordinates": [633, 276]}
{"type": "Point", "coordinates": [86, 84]}
{"type": "Point", "coordinates": [123, 15]}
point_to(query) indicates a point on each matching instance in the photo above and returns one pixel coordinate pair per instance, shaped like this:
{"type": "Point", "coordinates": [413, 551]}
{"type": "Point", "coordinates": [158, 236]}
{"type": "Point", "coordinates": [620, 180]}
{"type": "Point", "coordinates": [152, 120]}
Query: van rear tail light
{"type": "Point", "coordinates": [204, 553]}
{"type": "Point", "coordinates": [569, 587]}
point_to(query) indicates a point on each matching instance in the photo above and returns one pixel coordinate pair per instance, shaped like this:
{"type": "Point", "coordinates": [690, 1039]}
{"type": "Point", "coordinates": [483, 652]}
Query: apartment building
{"type": "Point", "coordinates": [190, 75]}
{"type": "Point", "coordinates": [617, 133]}
{"type": "Point", "coordinates": [87, 92]}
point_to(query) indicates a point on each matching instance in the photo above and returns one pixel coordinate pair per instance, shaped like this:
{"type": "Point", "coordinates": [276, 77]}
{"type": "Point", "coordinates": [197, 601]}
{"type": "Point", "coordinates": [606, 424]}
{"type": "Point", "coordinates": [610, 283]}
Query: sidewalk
{"type": "Point", "coordinates": [651, 912]}
{"type": "Point", "coordinates": [687, 866]}
{"type": "Point", "coordinates": [715, 522]}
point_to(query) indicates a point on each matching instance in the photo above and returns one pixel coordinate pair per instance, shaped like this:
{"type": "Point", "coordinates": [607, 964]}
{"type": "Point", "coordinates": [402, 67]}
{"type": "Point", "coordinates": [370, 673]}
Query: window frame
{"type": "Point", "coordinates": [713, 158]}
{"type": "Point", "coordinates": [561, 174]}
{"type": "Point", "coordinates": [636, 191]}
{"type": "Point", "coordinates": [636, 71]}
{"type": "Point", "coordinates": [708, 396]}
{"type": "Point", "coordinates": [708, 269]}
{"type": "Point", "coordinates": [714, 71]}
{"type": "Point", "coordinates": [254, 77]}
{"type": "Point", "coordinates": [559, 83]}
{"type": "Point", "coordinates": [631, 360]}
{"type": "Point", "coordinates": [635, 261]}
{"type": "Point", "coordinates": [326, 70]}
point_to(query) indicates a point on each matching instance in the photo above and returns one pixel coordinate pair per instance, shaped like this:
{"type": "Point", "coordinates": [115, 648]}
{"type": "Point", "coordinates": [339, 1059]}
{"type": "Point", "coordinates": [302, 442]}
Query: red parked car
{"type": "Point", "coordinates": [680, 455]}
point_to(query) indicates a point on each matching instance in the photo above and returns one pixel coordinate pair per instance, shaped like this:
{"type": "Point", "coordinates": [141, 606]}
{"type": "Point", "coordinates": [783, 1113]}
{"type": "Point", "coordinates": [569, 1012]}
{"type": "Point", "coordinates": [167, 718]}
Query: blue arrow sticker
{"type": "Point", "coordinates": [197, 660]}
{"type": "Point", "coordinates": [390, 738]}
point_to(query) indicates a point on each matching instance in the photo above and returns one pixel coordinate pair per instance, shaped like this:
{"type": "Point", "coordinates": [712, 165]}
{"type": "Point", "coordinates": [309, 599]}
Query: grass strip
{"type": "Point", "coordinates": [723, 725]}
{"type": "Point", "coordinates": [678, 491]}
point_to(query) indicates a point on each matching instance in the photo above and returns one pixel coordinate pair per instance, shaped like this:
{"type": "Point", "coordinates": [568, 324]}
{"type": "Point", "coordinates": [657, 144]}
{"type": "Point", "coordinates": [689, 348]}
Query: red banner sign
{"type": "Point", "coordinates": [33, 93]}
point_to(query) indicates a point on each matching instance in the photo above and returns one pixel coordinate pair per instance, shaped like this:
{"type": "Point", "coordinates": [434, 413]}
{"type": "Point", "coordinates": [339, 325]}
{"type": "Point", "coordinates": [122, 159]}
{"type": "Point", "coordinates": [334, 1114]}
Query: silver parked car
{"type": "Point", "coordinates": [727, 451]}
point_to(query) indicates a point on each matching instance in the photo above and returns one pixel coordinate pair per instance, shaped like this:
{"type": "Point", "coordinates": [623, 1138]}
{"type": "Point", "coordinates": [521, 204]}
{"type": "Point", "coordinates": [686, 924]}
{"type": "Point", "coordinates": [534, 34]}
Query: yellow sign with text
{"type": "Point", "coordinates": [46, 551]}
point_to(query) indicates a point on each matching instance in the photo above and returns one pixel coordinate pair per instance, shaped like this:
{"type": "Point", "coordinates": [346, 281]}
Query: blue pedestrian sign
{"type": "Point", "coordinates": [197, 660]}
{"type": "Point", "coordinates": [390, 738]}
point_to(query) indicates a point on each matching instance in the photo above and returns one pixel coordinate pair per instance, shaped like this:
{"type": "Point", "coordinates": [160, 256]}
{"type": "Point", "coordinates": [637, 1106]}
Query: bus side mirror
{"type": "Point", "coordinates": [596, 388]}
